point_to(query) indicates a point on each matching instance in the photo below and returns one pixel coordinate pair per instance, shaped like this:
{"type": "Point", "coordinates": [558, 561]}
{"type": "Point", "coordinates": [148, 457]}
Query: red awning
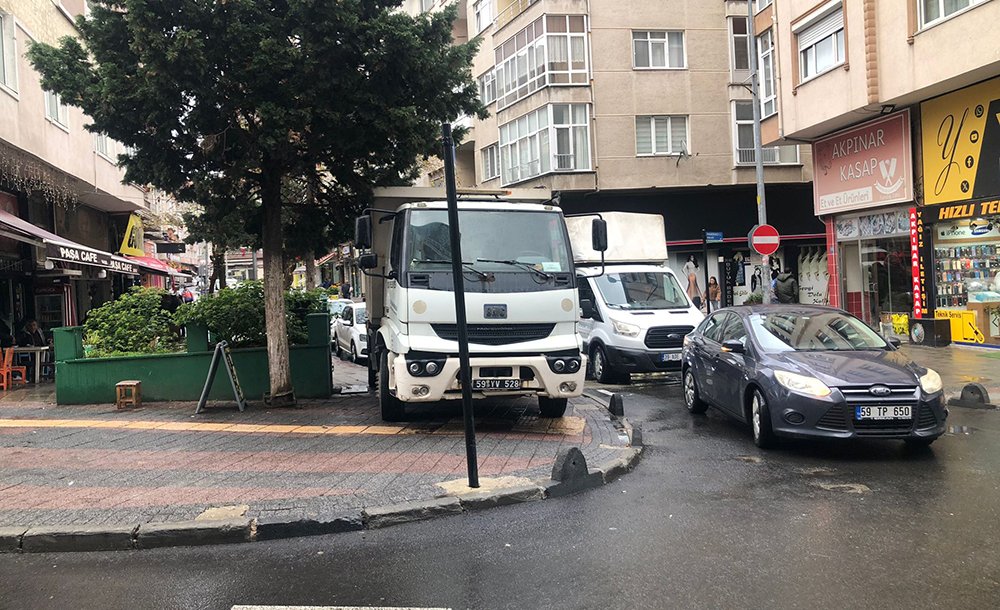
{"type": "Point", "coordinates": [153, 265]}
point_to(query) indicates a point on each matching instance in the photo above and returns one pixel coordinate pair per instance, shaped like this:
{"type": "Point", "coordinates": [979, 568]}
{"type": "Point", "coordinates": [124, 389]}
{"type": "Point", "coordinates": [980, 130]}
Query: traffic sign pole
{"type": "Point", "coordinates": [758, 155]}
{"type": "Point", "coordinates": [704, 246]}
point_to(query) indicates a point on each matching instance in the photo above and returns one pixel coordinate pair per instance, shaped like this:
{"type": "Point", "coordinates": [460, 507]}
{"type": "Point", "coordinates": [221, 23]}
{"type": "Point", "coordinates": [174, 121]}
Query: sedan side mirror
{"type": "Point", "coordinates": [893, 341]}
{"type": "Point", "coordinates": [733, 346]}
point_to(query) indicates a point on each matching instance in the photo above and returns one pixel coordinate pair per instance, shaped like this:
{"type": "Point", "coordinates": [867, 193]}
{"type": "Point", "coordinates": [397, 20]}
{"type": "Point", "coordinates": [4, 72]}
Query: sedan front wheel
{"type": "Point", "coordinates": [760, 421]}
{"type": "Point", "coordinates": [692, 398]}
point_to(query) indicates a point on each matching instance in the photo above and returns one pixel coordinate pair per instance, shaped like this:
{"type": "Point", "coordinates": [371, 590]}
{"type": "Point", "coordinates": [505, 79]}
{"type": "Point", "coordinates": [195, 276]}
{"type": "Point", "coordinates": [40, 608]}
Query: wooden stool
{"type": "Point", "coordinates": [128, 393]}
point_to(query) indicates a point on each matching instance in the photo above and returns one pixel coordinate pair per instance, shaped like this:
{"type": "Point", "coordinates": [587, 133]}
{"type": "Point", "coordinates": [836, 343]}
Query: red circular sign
{"type": "Point", "coordinates": [764, 239]}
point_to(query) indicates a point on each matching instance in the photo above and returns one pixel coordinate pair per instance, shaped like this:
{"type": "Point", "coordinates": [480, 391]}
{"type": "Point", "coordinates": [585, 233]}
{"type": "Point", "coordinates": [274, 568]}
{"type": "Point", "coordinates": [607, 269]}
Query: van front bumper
{"type": "Point", "coordinates": [641, 361]}
{"type": "Point", "coordinates": [536, 378]}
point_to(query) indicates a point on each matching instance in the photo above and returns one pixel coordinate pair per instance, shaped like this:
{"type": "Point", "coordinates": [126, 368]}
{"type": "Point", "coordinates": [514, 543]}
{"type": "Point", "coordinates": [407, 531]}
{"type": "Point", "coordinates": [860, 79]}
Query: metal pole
{"type": "Point", "coordinates": [461, 322]}
{"type": "Point", "coordinates": [704, 246]}
{"type": "Point", "coordinates": [758, 155]}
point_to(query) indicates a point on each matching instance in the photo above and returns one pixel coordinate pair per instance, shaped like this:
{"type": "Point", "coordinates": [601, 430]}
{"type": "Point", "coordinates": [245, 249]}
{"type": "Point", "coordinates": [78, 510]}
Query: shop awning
{"type": "Point", "coordinates": [326, 258]}
{"type": "Point", "coordinates": [59, 248]}
{"type": "Point", "coordinates": [153, 265]}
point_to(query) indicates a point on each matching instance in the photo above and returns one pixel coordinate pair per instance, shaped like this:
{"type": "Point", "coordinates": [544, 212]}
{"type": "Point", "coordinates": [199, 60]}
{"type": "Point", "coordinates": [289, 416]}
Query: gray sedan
{"type": "Point", "coordinates": [809, 372]}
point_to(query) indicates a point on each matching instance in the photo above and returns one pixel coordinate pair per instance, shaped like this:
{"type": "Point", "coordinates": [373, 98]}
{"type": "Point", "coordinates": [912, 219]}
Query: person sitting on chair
{"type": "Point", "coordinates": [31, 335]}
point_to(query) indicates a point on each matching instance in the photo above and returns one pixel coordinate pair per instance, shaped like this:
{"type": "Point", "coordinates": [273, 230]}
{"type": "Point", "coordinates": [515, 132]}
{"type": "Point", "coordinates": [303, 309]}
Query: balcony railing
{"type": "Point", "coordinates": [516, 7]}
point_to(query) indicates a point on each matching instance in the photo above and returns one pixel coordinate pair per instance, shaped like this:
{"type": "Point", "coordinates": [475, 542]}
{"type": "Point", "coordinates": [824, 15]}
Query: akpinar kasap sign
{"type": "Point", "coordinates": [865, 166]}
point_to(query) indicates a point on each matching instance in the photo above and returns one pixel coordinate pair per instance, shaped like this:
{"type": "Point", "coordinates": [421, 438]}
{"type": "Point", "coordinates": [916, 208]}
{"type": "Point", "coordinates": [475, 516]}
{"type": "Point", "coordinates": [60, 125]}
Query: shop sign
{"type": "Point", "coordinates": [72, 254]}
{"type": "Point", "coordinates": [916, 262]}
{"type": "Point", "coordinates": [963, 325]}
{"type": "Point", "coordinates": [123, 267]}
{"type": "Point", "coordinates": [864, 166]}
{"type": "Point", "coordinates": [883, 224]}
{"type": "Point", "coordinates": [971, 229]}
{"type": "Point", "coordinates": [132, 243]}
{"type": "Point", "coordinates": [968, 210]}
{"type": "Point", "coordinates": [961, 143]}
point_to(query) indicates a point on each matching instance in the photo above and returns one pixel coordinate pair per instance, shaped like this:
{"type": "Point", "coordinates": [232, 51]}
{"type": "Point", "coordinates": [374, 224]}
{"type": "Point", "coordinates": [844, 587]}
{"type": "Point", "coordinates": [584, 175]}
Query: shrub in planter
{"type": "Point", "coordinates": [236, 315]}
{"type": "Point", "coordinates": [138, 322]}
{"type": "Point", "coordinates": [755, 298]}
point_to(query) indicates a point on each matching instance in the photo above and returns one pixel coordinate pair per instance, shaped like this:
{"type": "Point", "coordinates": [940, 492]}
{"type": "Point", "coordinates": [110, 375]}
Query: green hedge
{"type": "Point", "coordinates": [138, 322]}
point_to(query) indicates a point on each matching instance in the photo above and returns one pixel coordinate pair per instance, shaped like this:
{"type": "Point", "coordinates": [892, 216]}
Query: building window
{"type": "Point", "coordinates": [739, 43]}
{"type": "Point", "coordinates": [743, 115]}
{"type": "Point", "coordinates": [821, 44]}
{"type": "Point", "coordinates": [484, 14]}
{"type": "Point", "coordinates": [765, 55]}
{"type": "Point", "coordinates": [427, 5]}
{"type": "Point", "coordinates": [55, 110]}
{"type": "Point", "coordinates": [661, 135]}
{"type": "Point", "coordinates": [760, 5]}
{"type": "Point", "coordinates": [550, 51]}
{"type": "Point", "coordinates": [103, 146]}
{"type": "Point", "coordinates": [488, 87]}
{"type": "Point", "coordinates": [491, 162]}
{"type": "Point", "coordinates": [932, 11]}
{"type": "Point", "coordinates": [658, 49]}
{"type": "Point", "coordinates": [8, 53]}
{"type": "Point", "coordinates": [552, 138]}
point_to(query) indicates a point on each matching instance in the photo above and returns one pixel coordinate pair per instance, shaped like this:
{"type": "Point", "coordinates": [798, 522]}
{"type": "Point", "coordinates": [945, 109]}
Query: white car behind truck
{"type": "Point", "coordinates": [520, 290]}
{"type": "Point", "coordinates": [635, 315]}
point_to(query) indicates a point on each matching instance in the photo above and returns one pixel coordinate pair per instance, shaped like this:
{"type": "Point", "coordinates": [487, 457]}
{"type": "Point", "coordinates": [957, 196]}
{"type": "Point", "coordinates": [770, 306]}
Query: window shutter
{"type": "Point", "coordinates": [643, 136]}
{"type": "Point", "coordinates": [822, 28]}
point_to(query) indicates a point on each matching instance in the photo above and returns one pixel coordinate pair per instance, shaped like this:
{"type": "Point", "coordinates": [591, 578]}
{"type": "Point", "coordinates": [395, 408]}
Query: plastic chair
{"type": "Point", "coordinates": [7, 370]}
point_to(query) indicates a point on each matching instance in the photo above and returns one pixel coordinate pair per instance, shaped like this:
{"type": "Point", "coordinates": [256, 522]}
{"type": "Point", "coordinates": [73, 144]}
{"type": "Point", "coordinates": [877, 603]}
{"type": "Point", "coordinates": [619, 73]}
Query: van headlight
{"type": "Point", "coordinates": [802, 384]}
{"type": "Point", "coordinates": [930, 382]}
{"type": "Point", "coordinates": [625, 329]}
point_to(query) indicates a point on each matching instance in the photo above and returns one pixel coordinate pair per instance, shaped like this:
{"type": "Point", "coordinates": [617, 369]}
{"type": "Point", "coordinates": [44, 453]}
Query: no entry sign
{"type": "Point", "coordinates": [764, 239]}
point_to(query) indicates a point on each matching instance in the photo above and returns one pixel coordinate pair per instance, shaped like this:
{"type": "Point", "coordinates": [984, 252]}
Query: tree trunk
{"type": "Point", "coordinates": [218, 269]}
{"type": "Point", "coordinates": [310, 272]}
{"type": "Point", "coordinates": [279, 368]}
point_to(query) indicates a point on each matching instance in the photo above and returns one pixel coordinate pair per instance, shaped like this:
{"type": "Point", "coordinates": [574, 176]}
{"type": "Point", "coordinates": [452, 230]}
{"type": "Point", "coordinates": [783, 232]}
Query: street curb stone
{"type": "Point", "coordinates": [191, 533]}
{"type": "Point", "coordinates": [56, 538]}
{"type": "Point", "coordinates": [10, 538]}
{"type": "Point", "coordinates": [502, 497]}
{"type": "Point", "coordinates": [405, 512]}
{"type": "Point", "coordinates": [614, 469]}
{"type": "Point", "coordinates": [275, 529]}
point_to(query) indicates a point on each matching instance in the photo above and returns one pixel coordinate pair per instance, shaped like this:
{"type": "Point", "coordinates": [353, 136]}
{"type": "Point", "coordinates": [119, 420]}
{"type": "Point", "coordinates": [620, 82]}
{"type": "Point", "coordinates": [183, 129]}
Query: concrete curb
{"type": "Point", "coordinates": [47, 539]}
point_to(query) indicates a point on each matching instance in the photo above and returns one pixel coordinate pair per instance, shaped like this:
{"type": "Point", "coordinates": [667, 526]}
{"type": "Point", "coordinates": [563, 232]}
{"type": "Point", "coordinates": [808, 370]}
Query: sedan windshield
{"type": "Point", "coordinates": [637, 291]}
{"type": "Point", "coordinates": [813, 331]}
{"type": "Point", "coordinates": [494, 241]}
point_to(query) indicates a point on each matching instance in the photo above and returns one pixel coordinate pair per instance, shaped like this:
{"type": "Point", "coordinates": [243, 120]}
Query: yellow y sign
{"type": "Point", "coordinates": [132, 242]}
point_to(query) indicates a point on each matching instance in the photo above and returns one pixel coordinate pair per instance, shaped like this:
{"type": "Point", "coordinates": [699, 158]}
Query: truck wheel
{"type": "Point", "coordinates": [552, 407]}
{"type": "Point", "coordinates": [601, 368]}
{"type": "Point", "coordinates": [392, 407]}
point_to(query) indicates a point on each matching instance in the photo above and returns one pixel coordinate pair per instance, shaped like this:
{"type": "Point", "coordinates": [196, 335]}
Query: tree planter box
{"type": "Point", "coordinates": [181, 377]}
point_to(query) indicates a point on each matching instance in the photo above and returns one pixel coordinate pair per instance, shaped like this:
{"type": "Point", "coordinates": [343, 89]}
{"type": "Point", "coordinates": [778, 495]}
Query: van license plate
{"type": "Point", "coordinates": [496, 385]}
{"type": "Point", "coordinates": [902, 412]}
{"type": "Point", "coordinates": [670, 357]}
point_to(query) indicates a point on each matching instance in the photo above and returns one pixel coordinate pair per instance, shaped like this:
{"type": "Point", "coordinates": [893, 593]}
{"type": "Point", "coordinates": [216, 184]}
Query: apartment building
{"type": "Point", "coordinates": [63, 208]}
{"type": "Point", "coordinates": [900, 102]}
{"type": "Point", "coordinates": [635, 106]}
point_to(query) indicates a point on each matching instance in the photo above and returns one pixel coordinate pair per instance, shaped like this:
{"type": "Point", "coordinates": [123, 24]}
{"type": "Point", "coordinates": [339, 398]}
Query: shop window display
{"type": "Point", "coordinates": [967, 278]}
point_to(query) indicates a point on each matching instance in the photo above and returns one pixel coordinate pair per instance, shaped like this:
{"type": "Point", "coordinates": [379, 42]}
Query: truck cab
{"type": "Point", "coordinates": [520, 293]}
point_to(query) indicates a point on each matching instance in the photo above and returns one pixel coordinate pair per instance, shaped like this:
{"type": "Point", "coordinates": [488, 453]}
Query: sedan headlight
{"type": "Point", "coordinates": [622, 328]}
{"type": "Point", "coordinates": [931, 382]}
{"type": "Point", "coordinates": [802, 384]}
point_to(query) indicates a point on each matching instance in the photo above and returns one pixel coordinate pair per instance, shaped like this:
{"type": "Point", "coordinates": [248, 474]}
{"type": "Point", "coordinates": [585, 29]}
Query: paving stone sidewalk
{"type": "Point", "coordinates": [959, 365]}
{"type": "Point", "coordinates": [96, 466]}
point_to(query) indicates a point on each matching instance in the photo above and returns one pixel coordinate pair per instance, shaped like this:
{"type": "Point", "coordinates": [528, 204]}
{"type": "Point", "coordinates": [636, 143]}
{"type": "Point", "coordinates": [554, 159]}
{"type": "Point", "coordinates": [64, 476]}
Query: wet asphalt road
{"type": "Point", "coordinates": [706, 520]}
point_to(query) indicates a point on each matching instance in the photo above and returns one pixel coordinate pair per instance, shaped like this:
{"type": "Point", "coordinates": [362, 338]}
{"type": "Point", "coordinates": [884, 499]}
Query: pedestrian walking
{"type": "Point", "coordinates": [345, 290]}
{"type": "Point", "coordinates": [714, 293]}
{"type": "Point", "coordinates": [786, 288]}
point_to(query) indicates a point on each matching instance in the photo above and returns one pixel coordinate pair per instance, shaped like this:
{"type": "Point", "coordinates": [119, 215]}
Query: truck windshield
{"type": "Point", "coordinates": [645, 290]}
{"type": "Point", "coordinates": [510, 242]}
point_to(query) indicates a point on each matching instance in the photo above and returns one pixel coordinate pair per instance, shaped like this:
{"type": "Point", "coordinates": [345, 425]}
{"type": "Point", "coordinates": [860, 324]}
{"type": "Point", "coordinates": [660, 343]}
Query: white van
{"type": "Point", "coordinates": [634, 314]}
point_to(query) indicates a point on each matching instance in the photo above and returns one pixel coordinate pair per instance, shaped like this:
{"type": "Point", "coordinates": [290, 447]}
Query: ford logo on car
{"type": "Point", "coordinates": [879, 390]}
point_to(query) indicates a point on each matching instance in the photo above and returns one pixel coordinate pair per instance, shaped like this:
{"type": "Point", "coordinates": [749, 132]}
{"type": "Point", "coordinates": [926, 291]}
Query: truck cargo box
{"type": "Point", "coordinates": [632, 238]}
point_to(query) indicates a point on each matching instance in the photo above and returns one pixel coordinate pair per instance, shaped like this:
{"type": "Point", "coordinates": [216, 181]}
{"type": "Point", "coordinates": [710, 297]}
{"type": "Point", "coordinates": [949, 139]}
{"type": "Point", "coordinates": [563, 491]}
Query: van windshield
{"type": "Point", "coordinates": [492, 241]}
{"type": "Point", "coordinates": [645, 290]}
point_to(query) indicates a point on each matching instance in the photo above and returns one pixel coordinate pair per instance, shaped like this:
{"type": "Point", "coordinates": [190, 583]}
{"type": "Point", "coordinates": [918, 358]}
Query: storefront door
{"type": "Point", "coordinates": [877, 279]}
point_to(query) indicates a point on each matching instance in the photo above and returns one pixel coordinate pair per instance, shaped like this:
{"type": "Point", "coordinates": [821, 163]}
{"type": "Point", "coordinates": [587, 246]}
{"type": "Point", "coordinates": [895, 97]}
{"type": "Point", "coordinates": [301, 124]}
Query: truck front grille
{"type": "Point", "coordinates": [496, 334]}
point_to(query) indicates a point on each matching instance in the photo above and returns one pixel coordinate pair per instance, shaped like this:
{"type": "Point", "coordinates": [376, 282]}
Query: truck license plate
{"type": "Point", "coordinates": [496, 384]}
{"type": "Point", "coordinates": [902, 412]}
{"type": "Point", "coordinates": [670, 357]}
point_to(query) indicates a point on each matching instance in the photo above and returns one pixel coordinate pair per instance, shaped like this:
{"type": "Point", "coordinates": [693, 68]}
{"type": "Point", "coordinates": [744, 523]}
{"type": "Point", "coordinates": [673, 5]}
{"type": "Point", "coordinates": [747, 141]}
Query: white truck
{"type": "Point", "coordinates": [520, 291]}
{"type": "Point", "coordinates": [634, 315]}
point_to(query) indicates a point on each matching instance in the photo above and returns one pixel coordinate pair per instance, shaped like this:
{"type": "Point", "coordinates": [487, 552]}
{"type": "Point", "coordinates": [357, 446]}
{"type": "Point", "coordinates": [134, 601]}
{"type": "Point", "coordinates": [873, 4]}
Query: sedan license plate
{"type": "Point", "coordinates": [496, 385]}
{"type": "Point", "coordinates": [670, 357]}
{"type": "Point", "coordinates": [901, 412]}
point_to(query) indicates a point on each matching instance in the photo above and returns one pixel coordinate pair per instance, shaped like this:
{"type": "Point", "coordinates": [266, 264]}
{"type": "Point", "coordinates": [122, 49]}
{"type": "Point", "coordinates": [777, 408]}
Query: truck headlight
{"type": "Point", "coordinates": [802, 384]}
{"type": "Point", "coordinates": [931, 382]}
{"type": "Point", "coordinates": [625, 329]}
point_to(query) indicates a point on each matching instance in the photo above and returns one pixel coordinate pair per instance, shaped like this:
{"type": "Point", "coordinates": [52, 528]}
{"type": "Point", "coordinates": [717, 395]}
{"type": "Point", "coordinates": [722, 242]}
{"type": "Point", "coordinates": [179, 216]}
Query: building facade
{"type": "Point", "coordinates": [634, 106]}
{"type": "Point", "coordinates": [64, 210]}
{"type": "Point", "coordinates": [900, 103]}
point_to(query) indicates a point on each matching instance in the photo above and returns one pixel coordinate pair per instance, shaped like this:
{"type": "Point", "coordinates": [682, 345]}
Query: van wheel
{"type": "Point", "coordinates": [601, 368]}
{"type": "Point", "coordinates": [552, 407]}
{"type": "Point", "coordinates": [392, 407]}
{"type": "Point", "coordinates": [354, 353]}
{"type": "Point", "coordinates": [336, 349]}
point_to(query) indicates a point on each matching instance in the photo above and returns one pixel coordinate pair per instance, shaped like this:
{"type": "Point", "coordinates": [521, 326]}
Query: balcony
{"type": "Point", "coordinates": [507, 10]}
{"type": "Point", "coordinates": [770, 155]}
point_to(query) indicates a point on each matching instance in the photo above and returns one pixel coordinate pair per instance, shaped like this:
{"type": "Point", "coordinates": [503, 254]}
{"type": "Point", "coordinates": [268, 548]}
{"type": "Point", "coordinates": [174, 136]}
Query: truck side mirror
{"type": "Point", "coordinates": [586, 309]}
{"type": "Point", "coordinates": [363, 232]}
{"type": "Point", "coordinates": [599, 235]}
{"type": "Point", "coordinates": [368, 261]}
